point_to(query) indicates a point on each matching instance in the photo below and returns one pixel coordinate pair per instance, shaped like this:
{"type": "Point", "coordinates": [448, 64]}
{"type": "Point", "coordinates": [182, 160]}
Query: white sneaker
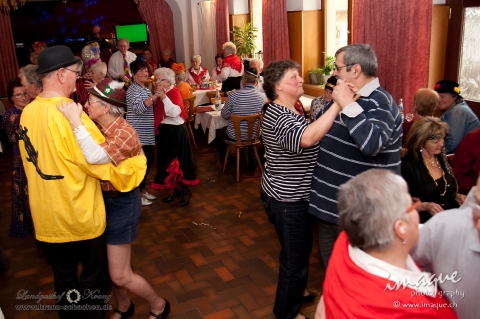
{"type": "Point", "coordinates": [148, 196]}
{"type": "Point", "coordinates": [146, 202]}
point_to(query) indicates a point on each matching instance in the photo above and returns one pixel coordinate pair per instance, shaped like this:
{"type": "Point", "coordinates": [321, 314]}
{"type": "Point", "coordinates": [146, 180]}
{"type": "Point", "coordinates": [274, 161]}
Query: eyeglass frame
{"type": "Point", "coordinates": [90, 102]}
{"type": "Point", "coordinates": [79, 73]}
{"type": "Point", "coordinates": [338, 68]}
{"type": "Point", "coordinates": [19, 95]}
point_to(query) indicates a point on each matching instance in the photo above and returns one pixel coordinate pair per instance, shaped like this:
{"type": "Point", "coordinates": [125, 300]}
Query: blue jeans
{"type": "Point", "coordinates": [294, 229]}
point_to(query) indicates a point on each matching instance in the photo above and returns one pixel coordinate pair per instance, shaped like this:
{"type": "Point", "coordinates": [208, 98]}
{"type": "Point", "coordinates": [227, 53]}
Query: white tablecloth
{"type": "Point", "coordinates": [201, 96]}
{"type": "Point", "coordinates": [211, 120]}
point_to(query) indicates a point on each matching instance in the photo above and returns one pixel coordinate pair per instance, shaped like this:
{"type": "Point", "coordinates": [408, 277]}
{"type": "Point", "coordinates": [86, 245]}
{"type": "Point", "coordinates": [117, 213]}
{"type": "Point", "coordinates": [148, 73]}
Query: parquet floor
{"type": "Point", "coordinates": [216, 258]}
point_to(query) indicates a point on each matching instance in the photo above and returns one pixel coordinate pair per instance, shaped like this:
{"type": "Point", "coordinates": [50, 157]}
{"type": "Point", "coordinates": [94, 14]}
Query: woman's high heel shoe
{"type": "Point", "coordinates": [176, 193]}
{"type": "Point", "coordinates": [165, 312]}
{"type": "Point", "coordinates": [127, 314]}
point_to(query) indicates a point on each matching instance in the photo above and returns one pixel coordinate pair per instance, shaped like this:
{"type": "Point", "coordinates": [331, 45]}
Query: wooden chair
{"type": "Point", "coordinates": [252, 139]}
{"type": "Point", "coordinates": [189, 105]}
{"type": "Point", "coordinates": [450, 158]}
{"type": "Point", "coordinates": [212, 94]}
{"type": "Point", "coordinates": [212, 100]}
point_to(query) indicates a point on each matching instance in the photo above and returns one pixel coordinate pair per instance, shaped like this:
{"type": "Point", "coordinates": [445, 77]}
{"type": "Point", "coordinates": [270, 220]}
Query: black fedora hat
{"type": "Point", "coordinates": [54, 58]}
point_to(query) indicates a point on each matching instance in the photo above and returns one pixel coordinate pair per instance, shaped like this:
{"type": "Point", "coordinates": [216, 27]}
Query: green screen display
{"type": "Point", "coordinates": [132, 32]}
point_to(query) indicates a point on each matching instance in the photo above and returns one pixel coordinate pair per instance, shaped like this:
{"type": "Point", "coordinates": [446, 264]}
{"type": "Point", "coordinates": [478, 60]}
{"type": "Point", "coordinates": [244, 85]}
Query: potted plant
{"type": "Point", "coordinates": [244, 39]}
{"type": "Point", "coordinates": [328, 66]}
{"type": "Point", "coordinates": [315, 76]}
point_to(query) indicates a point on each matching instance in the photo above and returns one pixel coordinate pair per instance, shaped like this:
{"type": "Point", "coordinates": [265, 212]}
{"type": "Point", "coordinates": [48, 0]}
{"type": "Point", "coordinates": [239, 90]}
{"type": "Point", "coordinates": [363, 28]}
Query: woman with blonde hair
{"type": "Point", "coordinates": [426, 169]}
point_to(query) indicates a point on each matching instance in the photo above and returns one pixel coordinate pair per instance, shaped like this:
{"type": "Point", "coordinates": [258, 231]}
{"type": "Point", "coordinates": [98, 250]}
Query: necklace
{"type": "Point", "coordinates": [435, 164]}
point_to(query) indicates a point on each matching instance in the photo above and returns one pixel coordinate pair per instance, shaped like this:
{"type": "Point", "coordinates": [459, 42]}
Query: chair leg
{"type": "Point", "coordinates": [191, 134]}
{"type": "Point", "coordinates": [226, 158]}
{"type": "Point", "coordinates": [238, 164]}
{"type": "Point", "coordinates": [246, 153]}
{"type": "Point", "coordinates": [258, 158]}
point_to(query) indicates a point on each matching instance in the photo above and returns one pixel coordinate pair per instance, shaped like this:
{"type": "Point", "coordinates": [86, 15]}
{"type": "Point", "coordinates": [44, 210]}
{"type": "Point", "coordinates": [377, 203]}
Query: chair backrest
{"type": "Point", "coordinates": [188, 104]}
{"type": "Point", "coordinates": [253, 135]}
{"type": "Point", "coordinates": [212, 94]}
{"type": "Point", "coordinates": [212, 100]}
{"type": "Point", "coordinates": [6, 103]}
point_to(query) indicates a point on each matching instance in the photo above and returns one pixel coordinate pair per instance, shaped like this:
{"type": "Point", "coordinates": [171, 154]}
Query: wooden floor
{"type": "Point", "coordinates": [215, 258]}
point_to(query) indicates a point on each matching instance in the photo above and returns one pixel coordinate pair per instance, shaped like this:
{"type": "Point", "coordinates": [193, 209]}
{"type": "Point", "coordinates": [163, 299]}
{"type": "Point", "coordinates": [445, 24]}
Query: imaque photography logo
{"type": "Point", "coordinates": [425, 281]}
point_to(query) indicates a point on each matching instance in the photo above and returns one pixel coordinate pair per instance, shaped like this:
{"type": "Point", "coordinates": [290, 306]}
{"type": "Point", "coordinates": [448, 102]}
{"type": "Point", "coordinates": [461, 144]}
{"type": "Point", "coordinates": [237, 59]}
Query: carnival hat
{"type": "Point", "coordinates": [110, 91]}
{"type": "Point", "coordinates": [54, 58]}
{"type": "Point", "coordinates": [39, 44]}
{"type": "Point", "coordinates": [178, 68]}
{"type": "Point", "coordinates": [447, 86]}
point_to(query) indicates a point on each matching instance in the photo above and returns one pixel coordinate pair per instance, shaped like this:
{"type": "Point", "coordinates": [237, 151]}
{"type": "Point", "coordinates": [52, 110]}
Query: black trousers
{"type": "Point", "coordinates": [149, 154]}
{"type": "Point", "coordinates": [91, 288]}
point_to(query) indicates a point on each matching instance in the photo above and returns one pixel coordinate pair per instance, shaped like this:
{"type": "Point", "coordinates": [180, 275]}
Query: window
{"type": "Point", "coordinates": [469, 77]}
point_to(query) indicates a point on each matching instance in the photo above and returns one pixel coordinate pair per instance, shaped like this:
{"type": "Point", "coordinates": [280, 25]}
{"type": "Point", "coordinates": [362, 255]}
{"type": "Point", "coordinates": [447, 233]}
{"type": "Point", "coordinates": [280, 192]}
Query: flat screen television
{"type": "Point", "coordinates": [136, 33]}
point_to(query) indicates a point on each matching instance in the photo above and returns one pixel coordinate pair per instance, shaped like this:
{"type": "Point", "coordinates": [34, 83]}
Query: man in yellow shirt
{"type": "Point", "coordinates": [65, 195]}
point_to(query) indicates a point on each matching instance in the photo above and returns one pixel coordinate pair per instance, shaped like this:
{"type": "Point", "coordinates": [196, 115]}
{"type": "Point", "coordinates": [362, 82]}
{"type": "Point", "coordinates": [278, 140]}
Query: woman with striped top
{"type": "Point", "coordinates": [291, 146]}
{"type": "Point", "coordinates": [140, 115]}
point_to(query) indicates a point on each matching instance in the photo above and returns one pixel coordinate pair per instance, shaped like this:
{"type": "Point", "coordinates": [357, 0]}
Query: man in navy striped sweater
{"type": "Point", "coordinates": [366, 134]}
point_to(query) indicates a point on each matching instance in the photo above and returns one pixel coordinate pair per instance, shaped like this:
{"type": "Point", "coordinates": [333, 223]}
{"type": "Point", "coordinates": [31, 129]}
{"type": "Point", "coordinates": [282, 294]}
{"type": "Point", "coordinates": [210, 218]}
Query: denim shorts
{"type": "Point", "coordinates": [123, 213]}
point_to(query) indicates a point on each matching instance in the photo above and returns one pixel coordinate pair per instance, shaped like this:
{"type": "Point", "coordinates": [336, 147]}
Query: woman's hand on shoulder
{"type": "Point", "coordinates": [72, 112]}
{"type": "Point", "coordinates": [460, 198]}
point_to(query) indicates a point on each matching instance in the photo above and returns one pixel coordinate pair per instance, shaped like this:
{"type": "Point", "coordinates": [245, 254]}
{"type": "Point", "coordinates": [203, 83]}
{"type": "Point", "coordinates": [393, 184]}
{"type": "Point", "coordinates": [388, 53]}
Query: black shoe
{"type": "Point", "coordinates": [165, 312]}
{"type": "Point", "coordinates": [128, 313]}
{"type": "Point", "coordinates": [176, 193]}
{"type": "Point", "coordinates": [310, 297]}
{"type": "Point", "coordinates": [186, 194]}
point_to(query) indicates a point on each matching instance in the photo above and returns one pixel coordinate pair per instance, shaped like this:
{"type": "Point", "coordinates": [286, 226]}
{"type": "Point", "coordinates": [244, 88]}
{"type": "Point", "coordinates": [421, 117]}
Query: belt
{"type": "Point", "coordinates": [111, 194]}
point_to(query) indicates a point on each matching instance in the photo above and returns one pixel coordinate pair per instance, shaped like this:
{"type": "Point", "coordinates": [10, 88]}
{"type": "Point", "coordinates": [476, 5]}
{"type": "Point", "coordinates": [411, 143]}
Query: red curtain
{"type": "Point", "coordinates": [275, 29]}
{"type": "Point", "coordinates": [159, 17]}
{"type": "Point", "coordinates": [8, 57]}
{"type": "Point", "coordinates": [399, 31]}
{"type": "Point", "coordinates": [221, 21]}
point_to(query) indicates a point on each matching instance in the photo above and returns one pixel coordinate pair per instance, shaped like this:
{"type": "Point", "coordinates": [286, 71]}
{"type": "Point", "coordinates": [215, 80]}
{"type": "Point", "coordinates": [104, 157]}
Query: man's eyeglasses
{"type": "Point", "coordinates": [79, 73]}
{"type": "Point", "coordinates": [19, 96]}
{"type": "Point", "coordinates": [336, 67]}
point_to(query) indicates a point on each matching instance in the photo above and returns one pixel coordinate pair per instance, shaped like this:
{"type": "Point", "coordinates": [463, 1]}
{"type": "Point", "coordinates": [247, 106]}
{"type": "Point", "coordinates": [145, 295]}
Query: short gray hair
{"type": "Point", "coordinates": [30, 76]}
{"type": "Point", "coordinates": [369, 205]}
{"type": "Point", "coordinates": [43, 76]}
{"type": "Point", "coordinates": [260, 63]}
{"type": "Point", "coordinates": [116, 111]}
{"type": "Point", "coordinates": [165, 73]}
{"type": "Point", "coordinates": [99, 68]}
{"type": "Point", "coordinates": [229, 47]}
{"type": "Point", "coordinates": [361, 54]}
{"type": "Point", "coordinates": [196, 57]}
{"type": "Point", "coordinates": [180, 76]}
{"type": "Point", "coordinates": [124, 39]}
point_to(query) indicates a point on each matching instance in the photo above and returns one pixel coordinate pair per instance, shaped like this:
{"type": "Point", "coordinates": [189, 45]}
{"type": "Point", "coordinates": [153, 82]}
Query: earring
{"type": "Point", "coordinates": [404, 241]}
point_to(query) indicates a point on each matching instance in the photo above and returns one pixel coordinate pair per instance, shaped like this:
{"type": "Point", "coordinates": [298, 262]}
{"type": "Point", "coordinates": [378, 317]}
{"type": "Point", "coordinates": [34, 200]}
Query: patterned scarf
{"type": "Point", "coordinates": [126, 71]}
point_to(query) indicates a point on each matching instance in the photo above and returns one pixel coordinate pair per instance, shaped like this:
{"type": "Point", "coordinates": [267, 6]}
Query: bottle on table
{"type": "Point", "coordinates": [218, 101]}
{"type": "Point", "coordinates": [400, 108]}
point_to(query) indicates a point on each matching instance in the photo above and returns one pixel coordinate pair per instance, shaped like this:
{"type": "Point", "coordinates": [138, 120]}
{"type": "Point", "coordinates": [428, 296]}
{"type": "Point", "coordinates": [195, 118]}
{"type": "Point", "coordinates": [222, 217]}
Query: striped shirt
{"type": "Point", "coordinates": [289, 167]}
{"type": "Point", "coordinates": [121, 142]}
{"type": "Point", "coordinates": [139, 115]}
{"type": "Point", "coordinates": [369, 137]}
{"type": "Point", "coordinates": [246, 101]}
